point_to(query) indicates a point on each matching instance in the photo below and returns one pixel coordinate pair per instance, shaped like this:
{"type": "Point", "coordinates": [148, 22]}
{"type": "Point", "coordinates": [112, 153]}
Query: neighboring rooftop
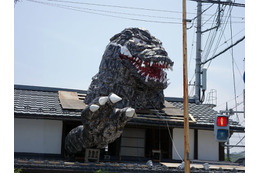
{"type": "Point", "coordinates": [57, 166]}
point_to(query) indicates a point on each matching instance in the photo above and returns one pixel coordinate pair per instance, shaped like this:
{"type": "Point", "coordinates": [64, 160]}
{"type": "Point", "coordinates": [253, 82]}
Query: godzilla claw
{"type": "Point", "coordinates": [102, 100]}
{"type": "Point", "coordinates": [130, 112]}
{"type": "Point", "coordinates": [100, 106]}
{"type": "Point", "coordinates": [114, 98]}
{"type": "Point", "coordinates": [94, 108]}
{"type": "Point", "coordinates": [124, 114]}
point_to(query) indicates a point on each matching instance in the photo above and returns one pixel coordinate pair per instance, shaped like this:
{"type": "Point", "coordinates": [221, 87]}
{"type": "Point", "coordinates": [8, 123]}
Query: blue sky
{"type": "Point", "coordinates": [57, 47]}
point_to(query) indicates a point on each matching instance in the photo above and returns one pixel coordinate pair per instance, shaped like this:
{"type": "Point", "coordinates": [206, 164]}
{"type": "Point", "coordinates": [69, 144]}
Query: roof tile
{"type": "Point", "coordinates": [41, 101]}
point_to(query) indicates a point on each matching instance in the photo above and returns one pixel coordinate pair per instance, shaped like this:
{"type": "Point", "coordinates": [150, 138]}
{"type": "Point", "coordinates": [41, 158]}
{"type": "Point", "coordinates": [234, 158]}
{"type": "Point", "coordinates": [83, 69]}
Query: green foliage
{"type": "Point", "coordinates": [100, 171]}
{"type": "Point", "coordinates": [17, 170]}
{"type": "Point", "coordinates": [227, 159]}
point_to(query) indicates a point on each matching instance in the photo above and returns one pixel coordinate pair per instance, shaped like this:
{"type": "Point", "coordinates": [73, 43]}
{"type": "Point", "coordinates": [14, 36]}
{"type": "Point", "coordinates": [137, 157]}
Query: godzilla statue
{"type": "Point", "coordinates": [131, 77]}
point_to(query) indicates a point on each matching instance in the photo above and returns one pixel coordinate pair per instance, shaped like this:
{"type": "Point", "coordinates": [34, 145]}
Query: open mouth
{"type": "Point", "coordinates": [151, 71]}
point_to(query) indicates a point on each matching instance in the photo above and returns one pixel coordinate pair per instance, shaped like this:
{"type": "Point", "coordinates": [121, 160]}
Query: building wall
{"type": "Point", "coordinates": [178, 138]}
{"type": "Point", "coordinates": [133, 142]}
{"type": "Point", "coordinates": [37, 136]}
{"type": "Point", "coordinates": [208, 148]}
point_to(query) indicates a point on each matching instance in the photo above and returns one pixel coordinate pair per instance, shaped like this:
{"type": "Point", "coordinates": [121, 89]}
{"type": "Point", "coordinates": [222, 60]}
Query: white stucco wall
{"type": "Point", "coordinates": [37, 136]}
{"type": "Point", "coordinates": [208, 148]}
{"type": "Point", "coordinates": [178, 138]}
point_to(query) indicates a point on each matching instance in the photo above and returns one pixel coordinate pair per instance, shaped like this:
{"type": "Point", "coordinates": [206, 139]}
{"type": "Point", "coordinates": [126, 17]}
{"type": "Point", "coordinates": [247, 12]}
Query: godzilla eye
{"type": "Point", "coordinates": [136, 41]}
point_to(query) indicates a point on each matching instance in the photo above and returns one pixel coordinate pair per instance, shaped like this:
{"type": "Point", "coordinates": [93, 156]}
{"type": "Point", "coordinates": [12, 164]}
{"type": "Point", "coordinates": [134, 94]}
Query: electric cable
{"type": "Point", "coordinates": [130, 14]}
{"type": "Point", "coordinates": [221, 33]}
{"type": "Point", "coordinates": [124, 7]}
{"type": "Point", "coordinates": [233, 69]}
{"type": "Point", "coordinates": [234, 59]}
{"type": "Point", "coordinates": [157, 113]}
{"type": "Point", "coordinates": [116, 6]}
{"type": "Point", "coordinates": [106, 15]}
{"type": "Point", "coordinates": [231, 100]}
{"type": "Point", "coordinates": [209, 41]}
{"type": "Point", "coordinates": [60, 4]}
{"type": "Point", "coordinates": [212, 35]}
{"type": "Point", "coordinates": [173, 142]}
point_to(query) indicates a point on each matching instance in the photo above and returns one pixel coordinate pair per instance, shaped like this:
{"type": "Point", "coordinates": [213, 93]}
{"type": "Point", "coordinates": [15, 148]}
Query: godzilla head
{"type": "Point", "coordinates": [143, 55]}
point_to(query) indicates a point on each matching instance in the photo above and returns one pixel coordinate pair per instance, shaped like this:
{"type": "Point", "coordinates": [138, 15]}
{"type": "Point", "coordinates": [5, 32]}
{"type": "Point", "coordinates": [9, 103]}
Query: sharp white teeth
{"type": "Point", "coordinates": [137, 59]}
{"type": "Point", "coordinates": [94, 108]}
{"type": "Point", "coordinates": [142, 65]}
{"type": "Point", "coordinates": [165, 80]}
{"type": "Point", "coordinates": [114, 98]}
{"type": "Point", "coordinates": [146, 79]}
{"type": "Point", "coordinates": [130, 112]}
{"type": "Point", "coordinates": [169, 67]}
{"type": "Point", "coordinates": [134, 63]}
{"type": "Point", "coordinates": [102, 100]}
{"type": "Point", "coordinates": [139, 71]}
{"type": "Point", "coordinates": [151, 63]}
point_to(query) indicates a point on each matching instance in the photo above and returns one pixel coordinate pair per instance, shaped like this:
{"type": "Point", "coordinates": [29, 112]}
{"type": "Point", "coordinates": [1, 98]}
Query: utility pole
{"type": "Point", "coordinates": [185, 93]}
{"type": "Point", "coordinates": [228, 151]}
{"type": "Point", "coordinates": [198, 54]}
{"type": "Point", "coordinates": [199, 32]}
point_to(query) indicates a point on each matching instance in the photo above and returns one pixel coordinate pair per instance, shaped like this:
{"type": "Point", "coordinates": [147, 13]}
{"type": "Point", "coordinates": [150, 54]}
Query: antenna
{"type": "Point", "coordinates": [212, 98]}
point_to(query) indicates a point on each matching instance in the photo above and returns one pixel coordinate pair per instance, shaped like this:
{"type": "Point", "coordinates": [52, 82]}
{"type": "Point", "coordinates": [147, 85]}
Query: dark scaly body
{"type": "Point", "coordinates": [132, 67]}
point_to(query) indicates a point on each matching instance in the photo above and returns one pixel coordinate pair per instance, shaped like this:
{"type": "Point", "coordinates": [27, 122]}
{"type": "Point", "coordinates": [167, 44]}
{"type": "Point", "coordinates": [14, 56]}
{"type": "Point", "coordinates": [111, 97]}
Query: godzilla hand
{"type": "Point", "coordinates": [102, 124]}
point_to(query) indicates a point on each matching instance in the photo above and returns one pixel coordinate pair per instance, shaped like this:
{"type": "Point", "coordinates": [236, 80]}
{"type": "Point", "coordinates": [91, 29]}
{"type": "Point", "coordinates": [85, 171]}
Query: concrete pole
{"type": "Point", "coordinates": [198, 53]}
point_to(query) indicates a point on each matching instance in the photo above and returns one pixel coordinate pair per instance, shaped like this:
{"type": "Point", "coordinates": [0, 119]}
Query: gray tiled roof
{"type": "Point", "coordinates": [44, 102]}
{"type": "Point", "coordinates": [39, 102]}
{"type": "Point", "coordinates": [116, 167]}
{"type": "Point", "coordinates": [203, 113]}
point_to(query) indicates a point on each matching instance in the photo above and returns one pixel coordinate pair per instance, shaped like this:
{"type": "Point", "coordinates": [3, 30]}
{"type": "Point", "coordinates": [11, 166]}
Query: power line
{"type": "Point", "coordinates": [116, 6]}
{"type": "Point", "coordinates": [222, 2]}
{"type": "Point", "coordinates": [226, 40]}
{"type": "Point", "coordinates": [223, 50]}
{"type": "Point", "coordinates": [108, 11]}
{"type": "Point", "coordinates": [124, 7]}
{"type": "Point", "coordinates": [232, 55]}
{"type": "Point", "coordinates": [106, 15]}
{"type": "Point", "coordinates": [219, 37]}
{"type": "Point", "coordinates": [215, 34]}
{"type": "Point", "coordinates": [228, 100]}
{"type": "Point", "coordinates": [97, 11]}
{"type": "Point", "coordinates": [157, 113]}
{"type": "Point", "coordinates": [233, 68]}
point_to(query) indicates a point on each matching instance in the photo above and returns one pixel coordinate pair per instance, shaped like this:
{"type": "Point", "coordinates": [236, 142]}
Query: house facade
{"type": "Point", "coordinates": [41, 123]}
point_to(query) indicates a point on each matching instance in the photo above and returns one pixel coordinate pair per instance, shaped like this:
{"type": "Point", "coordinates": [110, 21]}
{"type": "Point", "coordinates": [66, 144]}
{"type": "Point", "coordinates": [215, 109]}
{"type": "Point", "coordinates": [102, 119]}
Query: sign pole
{"type": "Point", "coordinates": [185, 93]}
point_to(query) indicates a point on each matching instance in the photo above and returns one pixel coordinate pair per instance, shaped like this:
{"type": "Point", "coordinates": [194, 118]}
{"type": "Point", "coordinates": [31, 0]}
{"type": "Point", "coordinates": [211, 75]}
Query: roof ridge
{"type": "Point", "coordinates": [48, 89]}
{"type": "Point", "coordinates": [178, 99]}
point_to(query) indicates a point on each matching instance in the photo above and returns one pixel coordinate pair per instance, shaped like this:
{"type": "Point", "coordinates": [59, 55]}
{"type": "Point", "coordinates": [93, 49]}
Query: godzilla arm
{"type": "Point", "coordinates": [102, 124]}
